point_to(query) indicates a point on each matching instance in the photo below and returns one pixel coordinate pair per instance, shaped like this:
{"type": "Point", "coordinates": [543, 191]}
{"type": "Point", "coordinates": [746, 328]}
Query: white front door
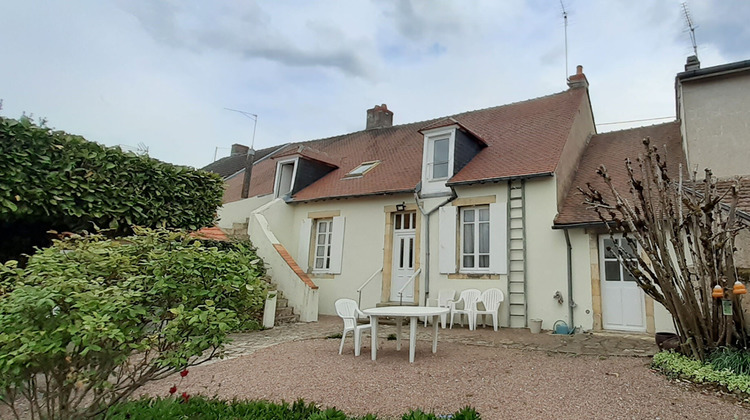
{"type": "Point", "coordinates": [404, 250]}
{"type": "Point", "coordinates": [623, 304]}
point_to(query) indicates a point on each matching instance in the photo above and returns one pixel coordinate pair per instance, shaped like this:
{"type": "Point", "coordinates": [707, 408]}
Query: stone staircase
{"type": "Point", "coordinates": [284, 313]}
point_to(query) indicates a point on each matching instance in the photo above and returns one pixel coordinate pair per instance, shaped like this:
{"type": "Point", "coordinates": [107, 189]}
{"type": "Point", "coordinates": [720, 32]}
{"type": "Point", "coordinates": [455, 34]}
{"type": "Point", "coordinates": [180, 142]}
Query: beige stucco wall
{"type": "Point", "coordinates": [442, 281]}
{"type": "Point", "coordinates": [547, 261]}
{"type": "Point", "coordinates": [715, 114]}
{"type": "Point", "coordinates": [364, 233]}
{"type": "Point", "coordinates": [239, 211]}
{"type": "Point", "coordinates": [579, 136]}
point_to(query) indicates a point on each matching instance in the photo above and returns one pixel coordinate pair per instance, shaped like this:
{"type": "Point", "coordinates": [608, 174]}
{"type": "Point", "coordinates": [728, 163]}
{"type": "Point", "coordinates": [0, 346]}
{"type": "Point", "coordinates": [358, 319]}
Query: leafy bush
{"type": "Point", "coordinates": [466, 413]}
{"type": "Point", "coordinates": [736, 360]}
{"type": "Point", "coordinates": [54, 180]}
{"type": "Point", "coordinates": [677, 365]}
{"type": "Point", "coordinates": [202, 408]}
{"type": "Point", "coordinates": [91, 319]}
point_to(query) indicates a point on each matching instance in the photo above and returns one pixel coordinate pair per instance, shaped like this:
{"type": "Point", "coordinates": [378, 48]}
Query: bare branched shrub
{"type": "Point", "coordinates": [685, 234]}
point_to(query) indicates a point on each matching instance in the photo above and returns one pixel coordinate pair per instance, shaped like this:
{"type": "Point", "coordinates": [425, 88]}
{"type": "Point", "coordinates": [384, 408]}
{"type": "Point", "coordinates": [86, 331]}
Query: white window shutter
{"type": "Point", "coordinates": [447, 239]}
{"type": "Point", "coordinates": [337, 244]}
{"type": "Point", "coordinates": [303, 249]}
{"type": "Point", "coordinates": [498, 238]}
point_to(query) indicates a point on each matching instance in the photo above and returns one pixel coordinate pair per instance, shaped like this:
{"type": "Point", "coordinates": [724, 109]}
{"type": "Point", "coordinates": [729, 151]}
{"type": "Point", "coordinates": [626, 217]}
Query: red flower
{"type": "Point", "coordinates": [184, 373]}
{"type": "Point", "coordinates": [185, 397]}
{"type": "Point", "coordinates": [173, 389]}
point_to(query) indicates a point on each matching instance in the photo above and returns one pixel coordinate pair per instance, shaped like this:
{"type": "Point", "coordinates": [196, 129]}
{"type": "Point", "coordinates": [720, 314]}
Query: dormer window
{"type": "Point", "coordinates": [448, 147]}
{"type": "Point", "coordinates": [437, 160]}
{"type": "Point", "coordinates": [286, 170]}
{"type": "Point", "coordinates": [362, 169]}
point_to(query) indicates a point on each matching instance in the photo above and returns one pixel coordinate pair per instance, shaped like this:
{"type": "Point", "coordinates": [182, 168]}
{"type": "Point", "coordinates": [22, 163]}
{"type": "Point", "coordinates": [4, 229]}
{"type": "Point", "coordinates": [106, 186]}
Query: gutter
{"type": "Point", "coordinates": [579, 225]}
{"type": "Point", "coordinates": [571, 303]}
{"type": "Point", "coordinates": [343, 197]}
{"type": "Point", "coordinates": [426, 215]}
{"type": "Point", "coordinates": [500, 179]}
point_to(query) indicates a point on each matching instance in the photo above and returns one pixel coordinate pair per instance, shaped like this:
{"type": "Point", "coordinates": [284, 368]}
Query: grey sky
{"type": "Point", "coordinates": [162, 72]}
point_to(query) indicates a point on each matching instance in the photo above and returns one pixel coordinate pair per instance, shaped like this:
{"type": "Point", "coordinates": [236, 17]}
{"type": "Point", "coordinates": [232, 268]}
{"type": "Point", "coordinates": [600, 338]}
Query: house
{"type": "Point", "coordinates": [463, 201]}
{"type": "Point", "coordinates": [482, 199]}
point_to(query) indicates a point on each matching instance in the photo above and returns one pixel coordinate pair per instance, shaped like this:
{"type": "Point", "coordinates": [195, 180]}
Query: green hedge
{"type": "Point", "coordinates": [677, 365]}
{"type": "Point", "coordinates": [202, 408]}
{"type": "Point", "coordinates": [63, 180]}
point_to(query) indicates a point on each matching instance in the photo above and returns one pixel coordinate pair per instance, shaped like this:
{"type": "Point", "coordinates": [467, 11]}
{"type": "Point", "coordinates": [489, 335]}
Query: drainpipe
{"type": "Point", "coordinates": [571, 304]}
{"type": "Point", "coordinates": [427, 235]}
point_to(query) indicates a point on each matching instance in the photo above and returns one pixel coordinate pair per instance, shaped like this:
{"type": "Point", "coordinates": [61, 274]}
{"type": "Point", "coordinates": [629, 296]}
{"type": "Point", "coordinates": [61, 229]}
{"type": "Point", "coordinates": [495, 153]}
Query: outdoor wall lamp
{"type": "Point", "coordinates": [401, 207]}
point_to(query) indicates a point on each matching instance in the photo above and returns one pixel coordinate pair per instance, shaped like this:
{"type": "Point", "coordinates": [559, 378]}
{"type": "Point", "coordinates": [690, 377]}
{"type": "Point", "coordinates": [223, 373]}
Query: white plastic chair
{"type": "Point", "coordinates": [444, 297]}
{"type": "Point", "coordinates": [348, 311]}
{"type": "Point", "coordinates": [469, 298]}
{"type": "Point", "coordinates": [491, 299]}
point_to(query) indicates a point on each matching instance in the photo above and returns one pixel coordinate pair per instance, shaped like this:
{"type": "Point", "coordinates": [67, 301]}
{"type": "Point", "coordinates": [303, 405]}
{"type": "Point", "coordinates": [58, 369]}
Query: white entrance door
{"type": "Point", "coordinates": [404, 250]}
{"type": "Point", "coordinates": [623, 304]}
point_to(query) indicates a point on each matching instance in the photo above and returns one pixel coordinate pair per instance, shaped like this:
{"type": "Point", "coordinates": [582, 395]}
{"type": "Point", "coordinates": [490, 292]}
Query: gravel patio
{"type": "Point", "coordinates": [504, 374]}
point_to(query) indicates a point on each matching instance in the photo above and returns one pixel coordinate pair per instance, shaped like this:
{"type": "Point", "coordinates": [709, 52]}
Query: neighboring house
{"type": "Point", "coordinates": [232, 168]}
{"type": "Point", "coordinates": [713, 105]}
{"type": "Point", "coordinates": [482, 199]}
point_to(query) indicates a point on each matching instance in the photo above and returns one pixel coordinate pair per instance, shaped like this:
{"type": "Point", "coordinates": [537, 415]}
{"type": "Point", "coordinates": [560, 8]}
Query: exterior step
{"type": "Point", "coordinates": [284, 312]}
{"type": "Point", "coordinates": [288, 319]}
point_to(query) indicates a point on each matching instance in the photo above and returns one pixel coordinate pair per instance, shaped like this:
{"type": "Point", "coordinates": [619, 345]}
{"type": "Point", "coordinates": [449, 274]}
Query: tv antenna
{"type": "Point", "coordinates": [691, 27]}
{"type": "Point", "coordinates": [565, 19]}
{"type": "Point", "coordinates": [253, 117]}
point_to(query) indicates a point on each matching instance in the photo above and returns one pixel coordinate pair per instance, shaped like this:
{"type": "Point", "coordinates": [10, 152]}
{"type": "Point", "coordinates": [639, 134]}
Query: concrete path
{"type": "Point", "coordinates": [597, 344]}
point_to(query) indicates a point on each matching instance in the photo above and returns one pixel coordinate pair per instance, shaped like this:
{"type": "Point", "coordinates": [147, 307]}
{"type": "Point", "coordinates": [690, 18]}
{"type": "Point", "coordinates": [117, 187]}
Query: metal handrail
{"type": "Point", "coordinates": [359, 291]}
{"type": "Point", "coordinates": [401, 291]}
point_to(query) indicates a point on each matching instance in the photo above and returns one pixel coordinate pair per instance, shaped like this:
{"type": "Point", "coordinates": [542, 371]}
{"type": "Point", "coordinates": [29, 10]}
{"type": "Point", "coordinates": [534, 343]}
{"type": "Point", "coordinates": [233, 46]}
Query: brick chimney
{"type": "Point", "coordinates": [238, 149]}
{"type": "Point", "coordinates": [379, 117]}
{"type": "Point", "coordinates": [578, 80]}
{"type": "Point", "coordinates": [692, 63]}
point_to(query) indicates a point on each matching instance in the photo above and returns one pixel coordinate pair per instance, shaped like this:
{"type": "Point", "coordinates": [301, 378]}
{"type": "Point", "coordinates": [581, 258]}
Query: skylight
{"type": "Point", "coordinates": [362, 169]}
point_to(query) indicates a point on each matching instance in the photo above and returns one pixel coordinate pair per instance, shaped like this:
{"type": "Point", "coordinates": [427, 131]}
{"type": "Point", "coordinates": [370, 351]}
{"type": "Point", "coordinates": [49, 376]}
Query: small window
{"type": "Point", "coordinates": [362, 169]}
{"type": "Point", "coordinates": [323, 235]}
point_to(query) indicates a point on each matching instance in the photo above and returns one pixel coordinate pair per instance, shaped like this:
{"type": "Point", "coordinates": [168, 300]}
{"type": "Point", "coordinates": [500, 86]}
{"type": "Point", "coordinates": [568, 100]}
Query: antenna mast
{"type": "Point", "coordinates": [565, 19]}
{"type": "Point", "coordinates": [691, 27]}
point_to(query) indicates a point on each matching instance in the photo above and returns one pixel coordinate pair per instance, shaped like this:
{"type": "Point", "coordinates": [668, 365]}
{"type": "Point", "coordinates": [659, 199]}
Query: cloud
{"type": "Point", "coordinates": [246, 30]}
{"type": "Point", "coordinates": [724, 25]}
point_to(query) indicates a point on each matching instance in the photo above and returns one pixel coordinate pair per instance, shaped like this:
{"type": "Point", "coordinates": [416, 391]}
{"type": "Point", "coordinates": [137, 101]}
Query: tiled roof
{"type": "Point", "coordinates": [722, 187]}
{"type": "Point", "coordinates": [213, 233]}
{"type": "Point", "coordinates": [307, 152]}
{"type": "Point", "coordinates": [523, 139]}
{"type": "Point", "coordinates": [230, 165]}
{"type": "Point", "coordinates": [611, 150]}
{"type": "Point", "coordinates": [744, 192]}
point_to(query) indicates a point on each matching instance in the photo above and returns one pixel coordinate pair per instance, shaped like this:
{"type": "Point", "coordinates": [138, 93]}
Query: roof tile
{"type": "Point", "coordinates": [611, 150]}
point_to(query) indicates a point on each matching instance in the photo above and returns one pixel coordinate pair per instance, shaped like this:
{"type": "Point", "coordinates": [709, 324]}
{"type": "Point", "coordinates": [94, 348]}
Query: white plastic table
{"type": "Point", "coordinates": [399, 312]}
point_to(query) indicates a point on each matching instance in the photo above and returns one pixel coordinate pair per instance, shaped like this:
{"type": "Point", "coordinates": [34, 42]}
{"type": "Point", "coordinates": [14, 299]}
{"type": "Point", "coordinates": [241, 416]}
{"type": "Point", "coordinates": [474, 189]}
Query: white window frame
{"type": "Point", "coordinates": [429, 183]}
{"type": "Point", "coordinates": [476, 254]}
{"type": "Point", "coordinates": [327, 245]}
{"type": "Point", "coordinates": [431, 158]}
{"type": "Point", "coordinates": [277, 179]}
